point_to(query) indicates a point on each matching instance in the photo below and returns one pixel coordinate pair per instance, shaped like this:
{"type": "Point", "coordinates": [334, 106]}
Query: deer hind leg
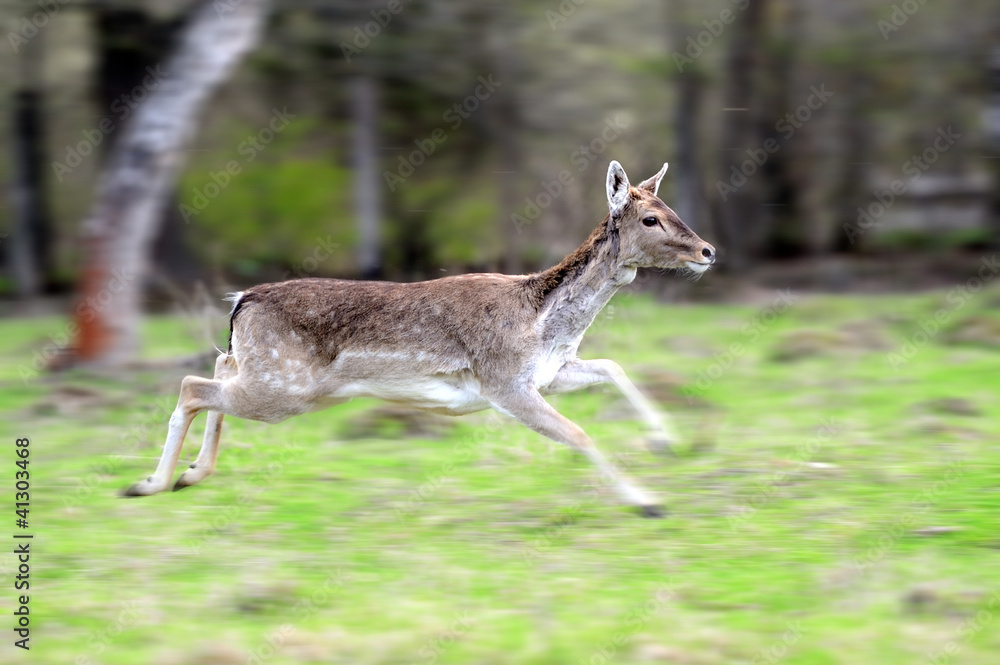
{"type": "Point", "coordinates": [529, 408]}
{"type": "Point", "coordinates": [204, 465]}
{"type": "Point", "coordinates": [583, 373]}
{"type": "Point", "coordinates": [197, 395]}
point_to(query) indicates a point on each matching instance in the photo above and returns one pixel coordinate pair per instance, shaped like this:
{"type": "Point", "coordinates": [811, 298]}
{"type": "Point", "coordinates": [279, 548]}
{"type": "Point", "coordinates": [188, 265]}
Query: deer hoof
{"type": "Point", "coordinates": [192, 476]}
{"type": "Point", "coordinates": [141, 488]}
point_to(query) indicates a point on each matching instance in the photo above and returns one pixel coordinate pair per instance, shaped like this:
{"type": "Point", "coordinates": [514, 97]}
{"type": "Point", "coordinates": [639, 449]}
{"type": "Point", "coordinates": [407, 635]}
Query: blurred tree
{"type": "Point", "coordinates": [373, 85]}
{"type": "Point", "coordinates": [352, 74]}
{"type": "Point", "coordinates": [29, 247]}
{"type": "Point", "coordinates": [856, 143]}
{"type": "Point", "coordinates": [368, 185]}
{"type": "Point", "coordinates": [782, 229]}
{"type": "Point", "coordinates": [691, 82]}
{"type": "Point", "coordinates": [140, 174]}
{"type": "Point", "coordinates": [739, 214]}
{"type": "Point", "coordinates": [501, 58]}
{"type": "Point", "coordinates": [993, 127]}
{"type": "Point", "coordinates": [131, 46]}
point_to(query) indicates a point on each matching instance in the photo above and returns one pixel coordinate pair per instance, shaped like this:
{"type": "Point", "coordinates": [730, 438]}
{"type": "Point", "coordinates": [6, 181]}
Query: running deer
{"type": "Point", "coordinates": [453, 345]}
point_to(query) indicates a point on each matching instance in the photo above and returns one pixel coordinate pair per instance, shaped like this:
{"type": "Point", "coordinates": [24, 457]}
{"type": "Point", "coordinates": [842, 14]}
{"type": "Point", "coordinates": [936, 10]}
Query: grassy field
{"type": "Point", "coordinates": [835, 498]}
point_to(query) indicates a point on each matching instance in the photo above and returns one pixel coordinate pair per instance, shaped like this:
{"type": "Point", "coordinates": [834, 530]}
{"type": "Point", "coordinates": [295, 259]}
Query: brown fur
{"type": "Point", "coordinates": [334, 314]}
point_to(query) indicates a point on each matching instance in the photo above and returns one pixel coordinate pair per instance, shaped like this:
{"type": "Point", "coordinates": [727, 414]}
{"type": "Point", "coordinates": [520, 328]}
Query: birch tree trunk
{"type": "Point", "coordinates": [142, 171]}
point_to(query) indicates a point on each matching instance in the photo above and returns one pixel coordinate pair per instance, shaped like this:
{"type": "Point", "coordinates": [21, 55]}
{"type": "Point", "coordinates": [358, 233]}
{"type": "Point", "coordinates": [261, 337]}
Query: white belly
{"type": "Point", "coordinates": [448, 393]}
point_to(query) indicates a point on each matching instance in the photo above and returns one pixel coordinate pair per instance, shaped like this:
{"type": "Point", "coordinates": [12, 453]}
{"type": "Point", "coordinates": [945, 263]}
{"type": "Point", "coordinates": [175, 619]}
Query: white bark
{"type": "Point", "coordinates": [143, 166]}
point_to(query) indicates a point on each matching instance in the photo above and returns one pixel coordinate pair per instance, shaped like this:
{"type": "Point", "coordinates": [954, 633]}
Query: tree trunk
{"type": "Point", "coordinates": [739, 213]}
{"type": "Point", "coordinates": [685, 170]}
{"type": "Point", "coordinates": [503, 116]}
{"type": "Point", "coordinates": [783, 230]}
{"type": "Point", "coordinates": [30, 228]}
{"type": "Point", "coordinates": [689, 195]}
{"type": "Point", "coordinates": [993, 129]}
{"type": "Point", "coordinates": [142, 171]}
{"type": "Point", "coordinates": [130, 43]}
{"type": "Point", "coordinates": [367, 190]}
{"type": "Point", "coordinates": [856, 145]}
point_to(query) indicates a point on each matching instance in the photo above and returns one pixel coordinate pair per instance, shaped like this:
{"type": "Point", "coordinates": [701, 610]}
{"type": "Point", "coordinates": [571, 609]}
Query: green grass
{"type": "Point", "coordinates": [807, 471]}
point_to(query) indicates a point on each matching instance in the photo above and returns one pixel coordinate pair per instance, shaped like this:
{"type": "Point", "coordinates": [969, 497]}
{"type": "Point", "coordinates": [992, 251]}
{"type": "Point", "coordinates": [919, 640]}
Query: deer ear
{"type": "Point", "coordinates": [653, 184]}
{"type": "Point", "coordinates": [617, 188]}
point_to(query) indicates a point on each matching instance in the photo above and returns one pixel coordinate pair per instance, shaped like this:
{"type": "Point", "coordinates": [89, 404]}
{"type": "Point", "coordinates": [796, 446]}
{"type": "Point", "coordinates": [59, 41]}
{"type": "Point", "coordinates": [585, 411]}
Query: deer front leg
{"type": "Point", "coordinates": [583, 373]}
{"type": "Point", "coordinates": [529, 408]}
{"type": "Point", "coordinates": [197, 394]}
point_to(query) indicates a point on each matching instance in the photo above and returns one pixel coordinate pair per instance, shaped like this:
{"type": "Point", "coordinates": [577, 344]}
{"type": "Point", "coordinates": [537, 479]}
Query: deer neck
{"type": "Point", "coordinates": [578, 288]}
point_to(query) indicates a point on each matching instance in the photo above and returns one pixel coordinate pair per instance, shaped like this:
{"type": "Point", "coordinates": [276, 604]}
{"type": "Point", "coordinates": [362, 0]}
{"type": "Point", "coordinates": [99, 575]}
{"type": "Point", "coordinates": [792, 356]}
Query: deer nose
{"type": "Point", "coordinates": [708, 252]}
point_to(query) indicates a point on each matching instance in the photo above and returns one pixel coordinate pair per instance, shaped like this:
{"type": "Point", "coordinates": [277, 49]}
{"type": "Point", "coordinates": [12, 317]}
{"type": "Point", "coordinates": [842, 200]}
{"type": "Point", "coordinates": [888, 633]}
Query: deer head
{"type": "Point", "coordinates": [652, 235]}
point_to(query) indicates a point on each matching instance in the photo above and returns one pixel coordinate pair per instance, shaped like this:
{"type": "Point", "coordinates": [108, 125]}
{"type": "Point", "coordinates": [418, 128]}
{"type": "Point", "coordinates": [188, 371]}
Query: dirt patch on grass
{"type": "Point", "coordinates": [808, 343]}
{"type": "Point", "coordinates": [393, 420]}
{"type": "Point", "coordinates": [667, 387]}
{"type": "Point", "coordinates": [859, 336]}
{"type": "Point", "coordinates": [977, 330]}
{"type": "Point", "coordinates": [955, 406]}
{"type": "Point", "coordinates": [73, 401]}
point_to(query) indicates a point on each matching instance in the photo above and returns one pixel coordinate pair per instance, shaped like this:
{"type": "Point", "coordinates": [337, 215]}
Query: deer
{"type": "Point", "coordinates": [453, 346]}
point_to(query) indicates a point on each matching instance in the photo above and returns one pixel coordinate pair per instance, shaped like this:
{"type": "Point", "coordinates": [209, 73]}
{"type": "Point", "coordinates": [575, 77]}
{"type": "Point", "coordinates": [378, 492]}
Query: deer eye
{"type": "Point", "coordinates": [650, 221]}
